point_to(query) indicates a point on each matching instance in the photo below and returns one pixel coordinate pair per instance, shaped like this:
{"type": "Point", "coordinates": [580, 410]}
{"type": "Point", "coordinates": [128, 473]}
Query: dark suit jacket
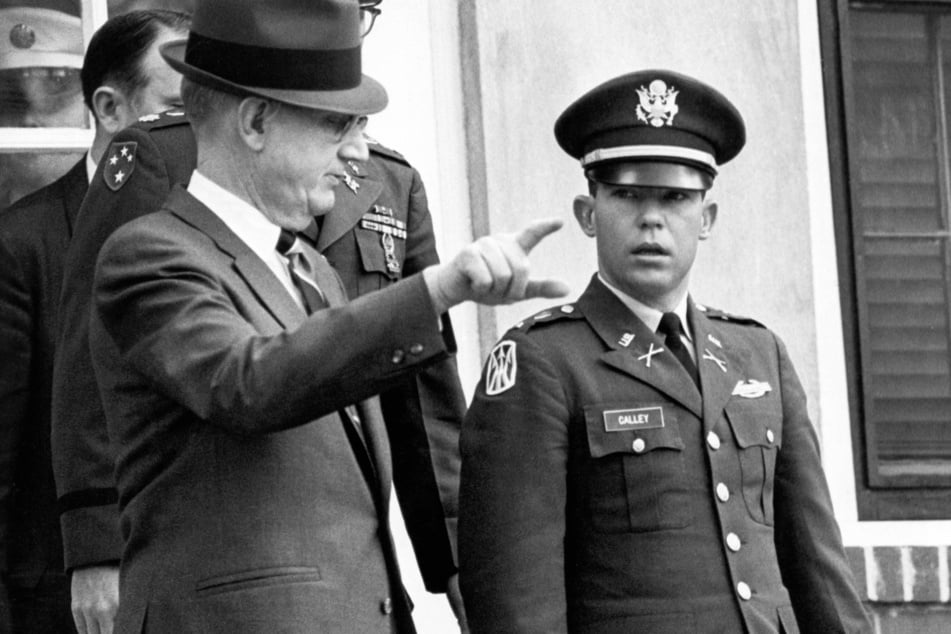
{"type": "Point", "coordinates": [247, 505]}
{"type": "Point", "coordinates": [34, 234]}
{"type": "Point", "coordinates": [423, 413]}
{"type": "Point", "coordinates": [602, 493]}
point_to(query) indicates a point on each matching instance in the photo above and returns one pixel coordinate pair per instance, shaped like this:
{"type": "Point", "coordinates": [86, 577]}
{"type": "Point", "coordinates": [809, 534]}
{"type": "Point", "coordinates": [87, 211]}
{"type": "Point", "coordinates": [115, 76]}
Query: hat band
{"type": "Point", "coordinates": [278, 68]}
{"type": "Point", "coordinates": [650, 151]}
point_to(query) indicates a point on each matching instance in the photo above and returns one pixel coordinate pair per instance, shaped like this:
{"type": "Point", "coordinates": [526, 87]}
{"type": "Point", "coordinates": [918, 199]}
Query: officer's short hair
{"type": "Point", "coordinates": [118, 48]}
{"type": "Point", "coordinates": [202, 101]}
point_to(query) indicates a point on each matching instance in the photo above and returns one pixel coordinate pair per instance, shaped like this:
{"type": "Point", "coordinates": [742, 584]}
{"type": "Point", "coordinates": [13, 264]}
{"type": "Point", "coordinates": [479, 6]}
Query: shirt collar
{"type": "Point", "coordinates": [90, 167]}
{"type": "Point", "coordinates": [244, 219]}
{"type": "Point", "coordinates": [650, 316]}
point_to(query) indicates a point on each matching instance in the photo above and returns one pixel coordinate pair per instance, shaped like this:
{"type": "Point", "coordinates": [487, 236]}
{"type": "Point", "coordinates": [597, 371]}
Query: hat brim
{"type": "Point", "coordinates": [367, 98]}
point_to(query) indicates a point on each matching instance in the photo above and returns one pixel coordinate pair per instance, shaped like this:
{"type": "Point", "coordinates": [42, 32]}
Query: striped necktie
{"type": "Point", "coordinates": [303, 270]}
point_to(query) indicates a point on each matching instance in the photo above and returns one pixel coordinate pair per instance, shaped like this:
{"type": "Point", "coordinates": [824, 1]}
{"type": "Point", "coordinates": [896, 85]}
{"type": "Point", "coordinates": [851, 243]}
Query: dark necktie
{"type": "Point", "coordinates": [671, 328]}
{"type": "Point", "coordinates": [303, 269]}
{"type": "Point", "coordinates": [308, 273]}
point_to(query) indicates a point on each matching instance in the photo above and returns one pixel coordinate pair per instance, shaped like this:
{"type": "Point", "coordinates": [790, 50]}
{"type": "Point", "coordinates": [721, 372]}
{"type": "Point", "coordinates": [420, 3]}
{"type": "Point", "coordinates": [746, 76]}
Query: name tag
{"type": "Point", "coordinates": [627, 419]}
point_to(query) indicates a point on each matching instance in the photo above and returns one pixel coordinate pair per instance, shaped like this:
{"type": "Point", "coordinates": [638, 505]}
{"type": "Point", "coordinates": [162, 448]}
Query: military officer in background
{"type": "Point", "coordinates": [379, 232]}
{"type": "Point", "coordinates": [634, 461]}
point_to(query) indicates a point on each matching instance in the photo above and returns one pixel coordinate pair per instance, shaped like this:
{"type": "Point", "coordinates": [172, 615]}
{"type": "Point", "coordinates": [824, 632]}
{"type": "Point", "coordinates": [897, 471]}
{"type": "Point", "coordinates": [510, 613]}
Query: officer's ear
{"type": "Point", "coordinates": [255, 115]}
{"type": "Point", "coordinates": [708, 218]}
{"type": "Point", "coordinates": [107, 105]}
{"type": "Point", "coordinates": [584, 214]}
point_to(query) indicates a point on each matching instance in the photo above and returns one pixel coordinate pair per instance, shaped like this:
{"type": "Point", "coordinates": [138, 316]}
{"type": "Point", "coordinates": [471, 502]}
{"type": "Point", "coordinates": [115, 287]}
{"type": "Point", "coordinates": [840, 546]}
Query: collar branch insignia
{"type": "Point", "coordinates": [658, 104]}
{"type": "Point", "coordinates": [709, 356]}
{"type": "Point", "coordinates": [646, 357]}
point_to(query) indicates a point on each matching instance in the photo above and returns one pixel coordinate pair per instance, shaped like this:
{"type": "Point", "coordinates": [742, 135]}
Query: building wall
{"type": "Point", "coordinates": [475, 89]}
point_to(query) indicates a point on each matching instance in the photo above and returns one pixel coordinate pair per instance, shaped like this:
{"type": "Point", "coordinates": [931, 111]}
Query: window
{"type": "Point", "coordinates": [887, 72]}
{"type": "Point", "coordinates": [44, 127]}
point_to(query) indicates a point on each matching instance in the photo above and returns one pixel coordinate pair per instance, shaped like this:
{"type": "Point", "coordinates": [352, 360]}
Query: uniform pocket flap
{"type": "Point", "coordinates": [629, 429]}
{"type": "Point", "coordinates": [755, 424]}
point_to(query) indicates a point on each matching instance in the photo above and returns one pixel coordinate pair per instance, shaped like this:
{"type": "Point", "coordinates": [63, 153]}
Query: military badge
{"type": "Point", "coordinates": [22, 36]}
{"type": "Point", "coordinates": [658, 104]}
{"type": "Point", "coordinates": [646, 357]}
{"type": "Point", "coordinates": [751, 389]}
{"type": "Point", "coordinates": [120, 163]}
{"type": "Point", "coordinates": [709, 356]}
{"type": "Point", "coordinates": [351, 183]}
{"type": "Point", "coordinates": [626, 339]}
{"type": "Point", "coordinates": [500, 369]}
{"type": "Point", "coordinates": [148, 118]}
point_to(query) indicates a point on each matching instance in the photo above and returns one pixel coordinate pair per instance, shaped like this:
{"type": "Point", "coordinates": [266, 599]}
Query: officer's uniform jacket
{"type": "Point", "coordinates": [602, 493]}
{"type": "Point", "coordinates": [379, 232]}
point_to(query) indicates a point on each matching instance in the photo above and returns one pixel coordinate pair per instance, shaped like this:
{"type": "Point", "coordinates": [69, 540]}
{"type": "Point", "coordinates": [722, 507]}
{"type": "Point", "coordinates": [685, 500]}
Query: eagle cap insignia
{"type": "Point", "coordinates": [658, 104]}
{"type": "Point", "coordinates": [500, 368]}
{"type": "Point", "coordinates": [119, 164]}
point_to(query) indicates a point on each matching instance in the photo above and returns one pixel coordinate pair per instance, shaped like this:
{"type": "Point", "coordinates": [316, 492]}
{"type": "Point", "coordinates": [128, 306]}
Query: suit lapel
{"type": "Point", "coordinates": [259, 278]}
{"type": "Point", "coordinates": [634, 349]}
{"type": "Point", "coordinates": [349, 207]}
{"type": "Point", "coordinates": [720, 363]}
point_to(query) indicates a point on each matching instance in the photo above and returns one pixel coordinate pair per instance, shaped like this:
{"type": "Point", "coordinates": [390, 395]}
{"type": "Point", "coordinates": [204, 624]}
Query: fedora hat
{"type": "Point", "coordinates": [301, 52]}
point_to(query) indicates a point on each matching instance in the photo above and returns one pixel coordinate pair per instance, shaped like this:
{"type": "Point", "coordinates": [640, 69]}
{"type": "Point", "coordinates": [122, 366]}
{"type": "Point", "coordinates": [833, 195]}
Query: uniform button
{"type": "Point", "coordinates": [723, 492]}
{"type": "Point", "coordinates": [386, 606]}
{"type": "Point", "coordinates": [770, 436]}
{"type": "Point", "coordinates": [398, 356]}
{"type": "Point", "coordinates": [638, 445]}
{"type": "Point", "coordinates": [744, 591]}
{"type": "Point", "coordinates": [416, 348]}
{"type": "Point", "coordinates": [733, 542]}
{"type": "Point", "coordinates": [713, 440]}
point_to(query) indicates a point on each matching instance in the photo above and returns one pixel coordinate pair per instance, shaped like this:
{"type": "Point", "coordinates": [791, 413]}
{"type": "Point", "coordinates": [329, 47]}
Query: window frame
{"type": "Point", "coordinates": [873, 502]}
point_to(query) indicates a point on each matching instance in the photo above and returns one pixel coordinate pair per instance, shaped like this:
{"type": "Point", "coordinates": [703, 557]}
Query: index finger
{"type": "Point", "coordinates": [533, 233]}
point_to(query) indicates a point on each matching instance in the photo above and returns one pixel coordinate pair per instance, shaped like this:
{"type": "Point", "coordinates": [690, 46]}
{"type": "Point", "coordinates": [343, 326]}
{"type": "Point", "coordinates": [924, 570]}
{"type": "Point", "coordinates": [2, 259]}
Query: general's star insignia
{"type": "Point", "coordinates": [113, 175]}
{"type": "Point", "coordinates": [500, 368]}
{"type": "Point", "coordinates": [351, 182]}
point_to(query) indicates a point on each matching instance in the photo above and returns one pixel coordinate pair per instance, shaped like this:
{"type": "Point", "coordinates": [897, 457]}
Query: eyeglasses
{"type": "Point", "coordinates": [369, 10]}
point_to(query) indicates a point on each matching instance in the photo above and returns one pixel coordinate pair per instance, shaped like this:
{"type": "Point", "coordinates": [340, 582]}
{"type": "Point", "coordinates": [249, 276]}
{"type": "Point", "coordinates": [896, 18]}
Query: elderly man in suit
{"type": "Point", "coordinates": [634, 461]}
{"type": "Point", "coordinates": [252, 464]}
{"type": "Point", "coordinates": [379, 232]}
{"type": "Point", "coordinates": [123, 77]}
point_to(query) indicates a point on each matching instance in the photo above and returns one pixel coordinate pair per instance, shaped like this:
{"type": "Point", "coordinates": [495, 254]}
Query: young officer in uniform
{"type": "Point", "coordinates": [634, 461]}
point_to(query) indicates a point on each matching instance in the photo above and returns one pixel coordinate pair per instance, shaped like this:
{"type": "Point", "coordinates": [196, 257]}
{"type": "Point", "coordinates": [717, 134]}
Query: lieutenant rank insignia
{"type": "Point", "coordinates": [120, 163]}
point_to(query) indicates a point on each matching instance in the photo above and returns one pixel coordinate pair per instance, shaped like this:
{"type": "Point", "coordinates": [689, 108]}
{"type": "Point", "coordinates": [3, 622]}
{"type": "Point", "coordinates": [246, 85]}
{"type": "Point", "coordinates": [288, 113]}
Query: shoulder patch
{"type": "Point", "coordinates": [501, 368]}
{"type": "Point", "coordinates": [722, 315]}
{"type": "Point", "coordinates": [120, 163]}
{"type": "Point", "coordinates": [385, 152]}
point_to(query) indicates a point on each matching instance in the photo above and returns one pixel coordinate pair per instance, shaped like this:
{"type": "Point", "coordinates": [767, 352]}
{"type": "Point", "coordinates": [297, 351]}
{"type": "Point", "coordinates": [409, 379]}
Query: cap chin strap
{"type": "Point", "coordinates": [650, 151]}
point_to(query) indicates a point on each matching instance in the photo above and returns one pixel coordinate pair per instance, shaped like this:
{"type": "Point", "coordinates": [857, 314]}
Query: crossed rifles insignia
{"type": "Point", "coordinates": [120, 163]}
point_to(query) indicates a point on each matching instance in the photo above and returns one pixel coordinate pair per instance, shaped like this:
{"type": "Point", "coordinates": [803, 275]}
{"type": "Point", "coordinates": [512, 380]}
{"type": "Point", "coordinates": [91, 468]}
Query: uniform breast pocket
{"type": "Point", "coordinates": [758, 429]}
{"type": "Point", "coordinates": [635, 476]}
{"type": "Point", "coordinates": [381, 250]}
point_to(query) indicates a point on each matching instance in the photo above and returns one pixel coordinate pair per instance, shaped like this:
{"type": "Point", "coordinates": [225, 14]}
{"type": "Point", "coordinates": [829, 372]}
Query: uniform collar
{"type": "Point", "coordinates": [91, 166]}
{"type": "Point", "coordinates": [650, 316]}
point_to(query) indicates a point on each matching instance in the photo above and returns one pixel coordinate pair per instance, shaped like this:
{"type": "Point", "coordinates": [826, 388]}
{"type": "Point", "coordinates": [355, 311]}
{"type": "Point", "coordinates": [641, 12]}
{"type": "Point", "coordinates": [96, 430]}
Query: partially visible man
{"type": "Point", "coordinates": [634, 461]}
{"type": "Point", "coordinates": [252, 464]}
{"type": "Point", "coordinates": [379, 232]}
{"type": "Point", "coordinates": [123, 77]}
{"type": "Point", "coordinates": [41, 52]}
